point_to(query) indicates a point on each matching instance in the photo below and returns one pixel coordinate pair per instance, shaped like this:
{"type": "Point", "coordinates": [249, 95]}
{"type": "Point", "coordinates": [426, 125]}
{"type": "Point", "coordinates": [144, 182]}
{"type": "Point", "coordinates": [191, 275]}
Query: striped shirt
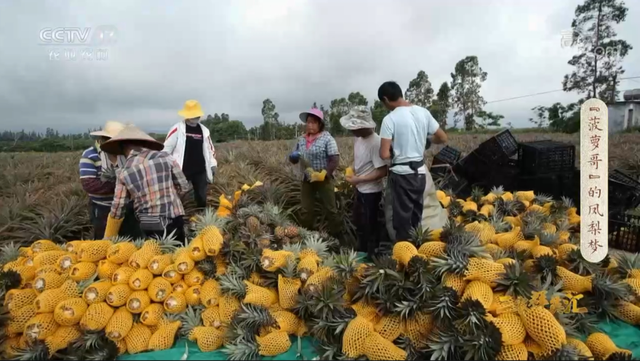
{"type": "Point", "coordinates": [152, 180]}
{"type": "Point", "coordinates": [90, 170]}
{"type": "Point", "coordinates": [317, 151]}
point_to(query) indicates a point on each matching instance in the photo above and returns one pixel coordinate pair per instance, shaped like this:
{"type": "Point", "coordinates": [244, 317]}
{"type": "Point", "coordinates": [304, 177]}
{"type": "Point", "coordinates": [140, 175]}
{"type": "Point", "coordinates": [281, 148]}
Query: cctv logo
{"type": "Point", "coordinates": [102, 35]}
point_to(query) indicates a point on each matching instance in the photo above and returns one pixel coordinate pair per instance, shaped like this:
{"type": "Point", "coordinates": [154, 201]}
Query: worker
{"type": "Point", "coordinates": [405, 130]}
{"type": "Point", "coordinates": [153, 180]}
{"type": "Point", "coordinates": [189, 143]}
{"type": "Point", "coordinates": [97, 176]}
{"type": "Point", "coordinates": [317, 153]}
{"type": "Point", "coordinates": [369, 171]}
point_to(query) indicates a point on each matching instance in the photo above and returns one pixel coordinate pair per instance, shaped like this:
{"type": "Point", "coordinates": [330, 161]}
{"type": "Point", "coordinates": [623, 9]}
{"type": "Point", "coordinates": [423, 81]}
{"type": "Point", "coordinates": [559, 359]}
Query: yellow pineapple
{"type": "Point", "coordinates": [65, 262]}
{"type": "Point", "coordinates": [44, 245]}
{"type": "Point", "coordinates": [82, 271]}
{"type": "Point", "coordinates": [209, 293]}
{"type": "Point", "coordinates": [48, 281]}
{"type": "Point", "coordinates": [69, 312]}
{"type": "Point", "coordinates": [118, 295]}
{"type": "Point", "coordinates": [120, 253]}
{"type": "Point", "coordinates": [193, 278]}
{"type": "Point", "coordinates": [511, 328]}
{"type": "Point", "coordinates": [119, 324]}
{"type": "Point", "coordinates": [122, 275]}
{"type": "Point", "coordinates": [573, 282]}
{"type": "Point", "coordinates": [140, 279]}
{"type": "Point", "coordinates": [377, 347]}
{"type": "Point", "coordinates": [208, 338]}
{"type": "Point", "coordinates": [183, 262]}
{"type": "Point", "coordinates": [142, 257]}
{"type": "Point", "coordinates": [274, 343]}
{"type": "Point", "coordinates": [159, 263]}
{"type": "Point", "coordinates": [542, 326]}
{"type": "Point", "coordinates": [40, 326]}
{"type": "Point", "coordinates": [62, 338]}
{"type": "Point", "coordinates": [159, 289]}
{"type": "Point", "coordinates": [152, 315]}
{"type": "Point", "coordinates": [19, 319]}
{"type": "Point", "coordinates": [212, 240]}
{"type": "Point", "coordinates": [192, 295]}
{"type": "Point", "coordinates": [137, 338]}
{"type": "Point", "coordinates": [138, 301]}
{"type": "Point", "coordinates": [487, 271]}
{"type": "Point", "coordinates": [171, 274]}
{"type": "Point", "coordinates": [274, 260]}
{"type": "Point", "coordinates": [357, 331]}
{"type": "Point", "coordinates": [175, 303]}
{"type": "Point", "coordinates": [163, 338]}
{"type": "Point", "coordinates": [93, 251]}
{"type": "Point", "coordinates": [480, 291]}
{"type": "Point", "coordinates": [96, 317]}
{"type": "Point", "coordinates": [97, 291]}
{"type": "Point", "coordinates": [403, 252]}
{"type": "Point", "coordinates": [196, 249]}
{"type": "Point", "coordinates": [602, 347]}
{"type": "Point", "coordinates": [48, 258]}
{"type": "Point", "coordinates": [433, 249]}
{"type": "Point", "coordinates": [106, 269]}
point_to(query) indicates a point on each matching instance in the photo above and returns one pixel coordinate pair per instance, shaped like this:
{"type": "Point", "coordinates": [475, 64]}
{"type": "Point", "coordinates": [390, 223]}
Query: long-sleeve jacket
{"type": "Point", "coordinates": [177, 140]}
{"type": "Point", "coordinates": [90, 170]}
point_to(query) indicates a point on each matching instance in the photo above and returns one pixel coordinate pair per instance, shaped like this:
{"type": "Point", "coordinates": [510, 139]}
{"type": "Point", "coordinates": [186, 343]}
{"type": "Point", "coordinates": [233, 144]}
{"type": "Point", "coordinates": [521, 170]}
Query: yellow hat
{"type": "Point", "coordinates": [191, 109]}
{"type": "Point", "coordinates": [110, 129]}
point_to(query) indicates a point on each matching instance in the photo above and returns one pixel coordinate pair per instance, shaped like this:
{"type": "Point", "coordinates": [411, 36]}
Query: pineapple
{"type": "Point", "coordinates": [40, 327]}
{"type": "Point", "coordinates": [207, 338]}
{"type": "Point", "coordinates": [164, 337]}
{"type": "Point", "coordinates": [484, 270]}
{"type": "Point", "coordinates": [403, 251]}
{"type": "Point", "coordinates": [48, 258]}
{"type": "Point", "coordinates": [119, 324]}
{"type": "Point", "coordinates": [140, 279]}
{"type": "Point", "coordinates": [171, 274]}
{"type": "Point", "coordinates": [82, 271]}
{"type": "Point", "coordinates": [196, 249]}
{"type": "Point", "coordinates": [180, 287]}
{"type": "Point", "coordinates": [377, 347]}
{"type": "Point", "coordinates": [274, 260]}
{"type": "Point", "coordinates": [142, 257]}
{"type": "Point", "coordinates": [183, 262]}
{"type": "Point", "coordinates": [19, 319]}
{"type": "Point", "coordinates": [152, 314]}
{"type": "Point", "coordinates": [69, 312]}
{"type": "Point", "coordinates": [106, 269]}
{"type": "Point", "coordinates": [515, 281]}
{"type": "Point", "coordinates": [604, 349]}
{"type": "Point", "coordinates": [49, 299]}
{"type": "Point", "coordinates": [628, 312]}
{"type": "Point", "coordinates": [288, 286]}
{"type": "Point", "coordinates": [93, 251]}
{"type": "Point", "coordinates": [542, 326]}
{"type": "Point", "coordinates": [511, 327]}
{"type": "Point", "coordinates": [48, 281]}
{"type": "Point", "coordinates": [96, 292]}
{"type": "Point", "coordinates": [159, 289]}
{"type": "Point", "coordinates": [192, 295]}
{"type": "Point", "coordinates": [118, 295]}
{"type": "Point", "coordinates": [120, 253]}
{"type": "Point", "coordinates": [194, 278]}
{"type": "Point", "coordinates": [209, 293]}
{"type": "Point", "coordinates": [479, 291]}
{"type": "Point", "coordinates": [159, 263]}
{"type": "Point", "coordinates": [137, 339]}
{"type": "Point", "coordinates": [122, 275]}
{"type": "Point", "coordinates": [138, 301]}
{"type": "Point", "coordinates": [44, 245]}
{"type": "Point", "coordinates": [175, 303]}
{"type": "Point", "coordinates": [96, 317]}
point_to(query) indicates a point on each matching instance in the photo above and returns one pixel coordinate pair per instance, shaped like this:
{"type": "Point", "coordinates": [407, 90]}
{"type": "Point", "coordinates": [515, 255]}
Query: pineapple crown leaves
{"type": "Point", "coordinates": [414, 350]}
{"type": "Point", "coordinates": [231, 283]}
{"type": "Point", "coordinates": [190, 318]}
{"type": "Point", "coordinates": [252, 318]}
{"type": "Point", "coordinates": [331, 329]}
{"type": "Point", "coordinates": [419, 235]}
{"type": "Point", "coordinates": [294, 248]}
{"type": "Point", "coordinates": [420, 275]}
{"type": "Point", "coordinates": [330, 351]}
{"type": "Point", "coordinates": [35, 351]}
{"type": "Point", "coordinates": [583, 324]}
{"type": "Point", "coordinates": [209, 218]}
{"type": "Point", "coordinates": [444, 344]}
{"type": "Point", "coordinates": [565, 352]}
{"type": "Point", "coordinates": [498, 191]}
{"type": "Point", "coordinates": [545, 266]}
{"type": "Point", "coordinates": [121, 239]}
{"type": "Point", "coordinates": [314, 242]}
{"type": "Point", "coordinates": [471, 317]}
{"type": "Point", "coordinates": [344, 264]}
{"type": "Point", "coordinates": [541, 199]}
{"type": "Point", "coordinates": [9, 280]}
{"type": "Point", "coordinates": [82, 285]}
{"type": "Point", "coordinates": [499, 224]}
{"type": "Point", "coordinates": [208, 267]}
{"type": "Point", "coordinates": [168, 243]}
{"type": "Point", "coordinates": [477, 194]}
{"type": "Point", "coordinates": [607, 287]}
{"type": "Point", "coordinates": [253, 210]}
{"type": "Point", "coordinates": [328, 297]}
{"type": "Point", "coordinates": [515, 281]}
{"type": "Point", "coordinates": [290, 269]}
{"type": "Point", "coordinates": [577, 264]}
{"type": "Point", "coordinates": [9, 252]}
{"type": "Point", "coordinates": [626, 262]}
{"type": "Point", "coordinates": [138, 242]}
{"type": "Point", "coordinates": [303, 308]}
{"type": "Point", "coordinates": [483, 346]}
{"type": "Point", "coordinates": [242, 349]}
{"type": "Point", "coordinates": [377, 277]}
{"type": "Point", "coordinates": [548, 239]}
{"type": "Point", "coordinates": [444, 306]}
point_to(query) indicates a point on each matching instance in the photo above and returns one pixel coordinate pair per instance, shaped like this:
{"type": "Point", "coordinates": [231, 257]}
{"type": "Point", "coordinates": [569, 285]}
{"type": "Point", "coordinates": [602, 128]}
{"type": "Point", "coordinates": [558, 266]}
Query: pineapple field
{"type": "Point", "coordinates": [503, 280]}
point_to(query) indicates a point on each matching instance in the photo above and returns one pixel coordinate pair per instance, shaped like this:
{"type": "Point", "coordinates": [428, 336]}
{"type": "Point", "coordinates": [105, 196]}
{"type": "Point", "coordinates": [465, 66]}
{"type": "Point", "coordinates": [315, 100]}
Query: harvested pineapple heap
{"type": "Point", "coordinates": [498, 282]}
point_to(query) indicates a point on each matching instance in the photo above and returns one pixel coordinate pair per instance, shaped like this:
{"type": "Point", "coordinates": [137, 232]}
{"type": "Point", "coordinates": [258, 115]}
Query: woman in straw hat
{"type": "Point", "coordinates": [317, 152]}
{"type": "Point", "coordinates": [189, 142]}
{"type": "Point", "coordinates": [368, 173]}
{"type": "Point", "coordinates": [97, 176]}
{"type": "Point", "coordinates": [149, 178]}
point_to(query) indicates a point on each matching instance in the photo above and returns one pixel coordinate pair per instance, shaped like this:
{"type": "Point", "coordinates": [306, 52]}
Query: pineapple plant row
{"type": "Point", "coordinates": [504, 279]}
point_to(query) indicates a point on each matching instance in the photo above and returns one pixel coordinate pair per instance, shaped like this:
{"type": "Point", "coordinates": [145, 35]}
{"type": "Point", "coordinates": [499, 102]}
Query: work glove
{"type": "Point", "coordinates": [113, 227]}
{"type": "Point", "coordinates": [349, 172]}
{"type": "Point", "coordinates": [294, 157]}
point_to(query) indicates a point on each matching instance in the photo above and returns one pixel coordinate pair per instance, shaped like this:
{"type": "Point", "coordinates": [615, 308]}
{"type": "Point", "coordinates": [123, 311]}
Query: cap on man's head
{"type": "Point", "coordinates": [359, 117]}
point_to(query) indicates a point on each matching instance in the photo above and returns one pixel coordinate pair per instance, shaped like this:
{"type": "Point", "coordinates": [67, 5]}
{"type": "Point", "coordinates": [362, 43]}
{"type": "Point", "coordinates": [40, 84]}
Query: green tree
{"type": "Point", "coordinates": [541, 120]}
{"type": "Point", "coordinates": [598, 66]}
{"type": "Point", "coordinates": [230, 130]}
{"type": "Point", "coordinates": [488, 119]}
{"type": "Point", "coordinates": [339, 108]}
{"type": "Point", "coordinates": [356, 98]}
{"type": "Point", "coordinates": [563, 118]}
{"type": "Point", "coordinates": [378, 112]}
{"type": "Point", "coordinates": [270, 117]}
{"type": "Point", "coordinates": [466, 82]}
{"type": "Point", "coordinates": [420, 91]}
{"type": "Point", "coordinates": [442, 104]}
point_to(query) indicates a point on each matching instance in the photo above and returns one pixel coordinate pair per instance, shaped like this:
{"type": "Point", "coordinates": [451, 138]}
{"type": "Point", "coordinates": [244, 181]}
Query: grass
{"type": "Point", "coordinates": [41, 196]}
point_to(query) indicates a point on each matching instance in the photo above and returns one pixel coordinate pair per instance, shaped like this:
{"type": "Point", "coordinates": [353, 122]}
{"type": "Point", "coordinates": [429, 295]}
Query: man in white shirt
{"type": "Point", "coordinates": [403, 136]}
{"type": "Point", "coordinates": [369, 170]}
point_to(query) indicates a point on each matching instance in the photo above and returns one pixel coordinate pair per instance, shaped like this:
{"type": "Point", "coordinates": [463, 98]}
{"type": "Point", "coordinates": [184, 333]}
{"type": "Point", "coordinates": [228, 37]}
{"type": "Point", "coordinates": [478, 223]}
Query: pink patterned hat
{"type": "Point", "coordinates": [314, 111]}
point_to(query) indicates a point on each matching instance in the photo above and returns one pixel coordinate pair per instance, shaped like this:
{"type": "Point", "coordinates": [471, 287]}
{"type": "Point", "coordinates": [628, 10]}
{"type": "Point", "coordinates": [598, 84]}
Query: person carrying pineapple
{"type": "Point", "coordinates": [404, 131]}
{"type": "Point", "coordinates": [189, 143]}
{"type": "Point", "coordinates": [317, 153]}
{"type": "Point", "coordinates": [152, 179]}
{"type": "Point", "coordinates": [368, 172]}
{"type": "Point", "coordinates": [97, 176]}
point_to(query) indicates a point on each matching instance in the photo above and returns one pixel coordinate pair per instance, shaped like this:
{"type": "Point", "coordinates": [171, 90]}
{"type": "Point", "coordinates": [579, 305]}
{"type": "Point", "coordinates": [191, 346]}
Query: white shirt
{"type": "Point", "coordinates": [408, 127]}
{"type": "Point", "coordinates": [366, 158]}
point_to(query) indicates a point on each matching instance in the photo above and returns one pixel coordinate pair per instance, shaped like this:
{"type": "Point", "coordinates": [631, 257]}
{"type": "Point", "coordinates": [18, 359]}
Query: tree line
{"type": "Point", "coordinates": [597, 68]}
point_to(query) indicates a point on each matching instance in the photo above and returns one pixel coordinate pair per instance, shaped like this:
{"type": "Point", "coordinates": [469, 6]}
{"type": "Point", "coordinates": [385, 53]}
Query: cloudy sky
{"type": "Point", "coordinates": [231, 55]}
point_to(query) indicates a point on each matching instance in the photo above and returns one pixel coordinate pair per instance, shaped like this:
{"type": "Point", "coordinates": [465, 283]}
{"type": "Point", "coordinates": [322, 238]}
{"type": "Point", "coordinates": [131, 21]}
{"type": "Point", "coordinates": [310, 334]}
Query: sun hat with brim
{"type": "Point", "coordinates": [315, 111]}
{"type": "Point", "coordinates": [130, 133]}
{"type": "Point", "coordinates": [191, 109]}
{"type": "Point", "coordinates": [358, 118]}
{"type": "Point", "coordinates": [110, 129]}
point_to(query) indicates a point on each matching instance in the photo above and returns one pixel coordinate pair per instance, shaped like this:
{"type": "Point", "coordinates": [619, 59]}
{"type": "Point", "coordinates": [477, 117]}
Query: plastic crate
{"type": "Point", "coordinates": [458, 185]}
{"type": "Point", "coordinates": [546, 157]}
{"type": "Point", "coordinates": [447, 155]}
{"type": "Point", "coordinates": [473, 167]}
{"type": "Point", "coordinates": [555, 185]}
{"type": "Point", "coordinates": [500, 148]}
{"type": "Point", "coordinates": [624, 191]}
{"type": "Point", "coordinates": [624, 232]}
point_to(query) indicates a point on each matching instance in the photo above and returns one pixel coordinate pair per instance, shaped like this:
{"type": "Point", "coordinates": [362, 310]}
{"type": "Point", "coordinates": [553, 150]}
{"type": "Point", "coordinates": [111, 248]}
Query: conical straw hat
{"type": "Point", "coordinates": [129, 133]}
{"type": "Point", "coordinates": [111, 128]}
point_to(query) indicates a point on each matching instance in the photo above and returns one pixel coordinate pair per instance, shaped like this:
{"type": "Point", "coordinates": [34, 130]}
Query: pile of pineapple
{"type": "Point", "coordinates": [503, 280]}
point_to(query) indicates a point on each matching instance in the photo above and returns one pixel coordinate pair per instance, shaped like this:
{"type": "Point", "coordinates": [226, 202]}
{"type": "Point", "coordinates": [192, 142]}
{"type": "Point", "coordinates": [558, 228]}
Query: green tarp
{"type": "Point", "coordinates": [623, 335]}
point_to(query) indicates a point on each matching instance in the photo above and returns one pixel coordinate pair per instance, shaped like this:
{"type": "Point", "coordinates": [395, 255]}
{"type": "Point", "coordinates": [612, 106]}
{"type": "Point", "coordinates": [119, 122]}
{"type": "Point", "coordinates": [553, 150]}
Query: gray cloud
{"type": "Point", "coordinates": [232, 55]}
